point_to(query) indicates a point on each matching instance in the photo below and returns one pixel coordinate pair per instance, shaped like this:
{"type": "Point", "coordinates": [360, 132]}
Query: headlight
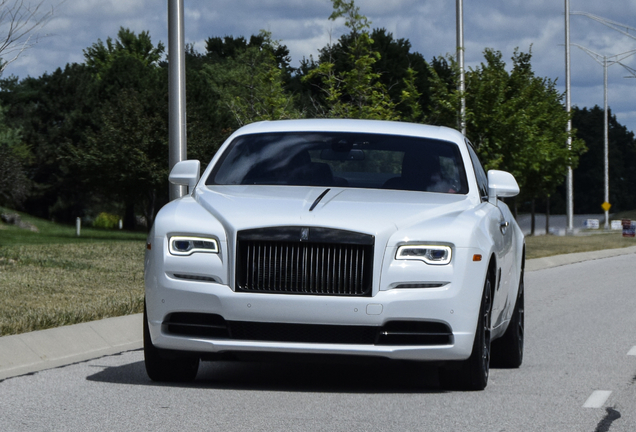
{"type": "Point", "coordinates": [430, 254]}
{"type": "Point", "coordinates": [183, 246]}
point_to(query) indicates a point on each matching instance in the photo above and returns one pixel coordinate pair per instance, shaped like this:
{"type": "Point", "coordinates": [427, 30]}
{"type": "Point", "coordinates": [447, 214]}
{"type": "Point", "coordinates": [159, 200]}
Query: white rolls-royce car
{"type": "Point", "coordinates": [337, 239]}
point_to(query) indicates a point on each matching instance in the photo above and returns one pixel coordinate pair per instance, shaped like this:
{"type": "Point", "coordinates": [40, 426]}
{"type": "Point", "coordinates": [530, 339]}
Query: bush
{"type": "Point", "coordinates": [106, 220]}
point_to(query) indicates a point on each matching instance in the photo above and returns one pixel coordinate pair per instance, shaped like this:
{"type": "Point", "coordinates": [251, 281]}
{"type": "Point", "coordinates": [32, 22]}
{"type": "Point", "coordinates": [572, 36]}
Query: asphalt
{"type": "Point", "coordinates": [46, 349]}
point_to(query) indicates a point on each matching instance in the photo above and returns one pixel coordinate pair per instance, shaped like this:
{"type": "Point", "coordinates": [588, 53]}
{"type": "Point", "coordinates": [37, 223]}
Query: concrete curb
{"type": "Point", "coordinates": [39, 350]}
{"type": "Point", "coordinates": [45, 349]}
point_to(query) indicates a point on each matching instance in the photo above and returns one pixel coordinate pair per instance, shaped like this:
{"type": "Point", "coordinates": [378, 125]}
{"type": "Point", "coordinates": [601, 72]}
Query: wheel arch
{"type": "Point", "coordinates": [491, 273]}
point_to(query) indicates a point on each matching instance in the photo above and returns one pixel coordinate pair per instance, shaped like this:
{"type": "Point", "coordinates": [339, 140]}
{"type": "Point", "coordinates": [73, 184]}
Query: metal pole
{"type": "Point", "coordinates": [176, 91]}
{"type": "Point", "coordinates": [460, 61]}
{"type": "Point", "coordinates": [606, 142]}
{"type": "Point", "coordinates": [597, 57]}
{"type": "Point", "coordinates": [569, 204]}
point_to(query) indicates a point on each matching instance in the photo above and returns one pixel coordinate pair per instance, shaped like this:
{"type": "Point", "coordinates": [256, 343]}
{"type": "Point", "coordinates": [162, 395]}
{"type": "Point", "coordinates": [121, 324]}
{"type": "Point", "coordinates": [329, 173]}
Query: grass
{"type": "Point", "coordinates": [53, 233]}
{"type": "Point", "coordinates": [44, 286]}
{"type": "Point", "coordinates": [544, 246]}
{"type": "Point", "coordinates": [52, 277]}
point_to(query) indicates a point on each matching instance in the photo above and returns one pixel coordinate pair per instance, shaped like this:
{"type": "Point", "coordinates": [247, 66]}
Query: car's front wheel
{"type": "Point", "coordinates": [163, 365]}
{"type": "Point", "coordinates": [473, 373]}
{"type": "Point", "coordinates": [507, 351]}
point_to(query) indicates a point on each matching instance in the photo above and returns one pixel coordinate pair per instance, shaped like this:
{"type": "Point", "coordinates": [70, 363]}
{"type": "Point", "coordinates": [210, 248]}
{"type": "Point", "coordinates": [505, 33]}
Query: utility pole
{"type": "Point", "coordinates": [176, 91]}
{"type": "Point", "coordinates": [603, 61]}
{"type": "Point", "coordinates": [621, 28]}
{"type": "Point", "coordinates": [606, 203]}
{"type": "Point", "coordinates": [459, 8]}
{"type": "Point", "coordinates": [569, 202]}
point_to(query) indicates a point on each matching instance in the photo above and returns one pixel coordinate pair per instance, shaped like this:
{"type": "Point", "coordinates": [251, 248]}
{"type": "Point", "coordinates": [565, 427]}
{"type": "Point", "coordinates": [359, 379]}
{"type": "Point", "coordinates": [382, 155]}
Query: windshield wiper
{"type": "Point", "coordinates": [321, 196]}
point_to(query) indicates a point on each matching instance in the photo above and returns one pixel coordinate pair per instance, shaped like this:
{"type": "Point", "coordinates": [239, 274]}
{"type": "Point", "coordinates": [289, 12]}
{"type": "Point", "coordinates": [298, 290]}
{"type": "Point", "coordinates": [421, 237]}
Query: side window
{"type": "Point", "coordinates": [480, 174]}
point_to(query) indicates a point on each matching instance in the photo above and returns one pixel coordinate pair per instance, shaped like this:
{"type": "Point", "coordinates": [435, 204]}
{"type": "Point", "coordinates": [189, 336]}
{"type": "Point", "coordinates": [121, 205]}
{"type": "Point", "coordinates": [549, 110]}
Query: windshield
{"type": "Point", "coordinates": [342, 159]}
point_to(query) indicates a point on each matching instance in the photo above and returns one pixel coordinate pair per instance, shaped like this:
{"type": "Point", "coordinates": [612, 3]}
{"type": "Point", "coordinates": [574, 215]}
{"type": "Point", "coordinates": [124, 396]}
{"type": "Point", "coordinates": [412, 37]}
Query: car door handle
{"type": "Point", "coordinates": [503, 226]}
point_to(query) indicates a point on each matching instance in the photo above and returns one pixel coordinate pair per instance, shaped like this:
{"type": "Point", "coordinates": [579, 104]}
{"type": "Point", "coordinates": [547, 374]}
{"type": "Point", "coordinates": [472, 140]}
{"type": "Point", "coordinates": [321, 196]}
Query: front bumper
{"type": "Point", "coordinates": [456, 304]}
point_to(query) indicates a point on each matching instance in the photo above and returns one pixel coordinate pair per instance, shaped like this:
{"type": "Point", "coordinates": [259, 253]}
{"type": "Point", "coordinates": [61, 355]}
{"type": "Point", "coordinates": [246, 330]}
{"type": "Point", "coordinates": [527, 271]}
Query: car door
{"type": "Point", "coordinates": [498, 224]}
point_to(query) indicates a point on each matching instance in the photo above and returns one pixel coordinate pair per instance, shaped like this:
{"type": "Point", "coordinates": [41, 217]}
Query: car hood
{"type": "Point", "coordinates": [372, 211]}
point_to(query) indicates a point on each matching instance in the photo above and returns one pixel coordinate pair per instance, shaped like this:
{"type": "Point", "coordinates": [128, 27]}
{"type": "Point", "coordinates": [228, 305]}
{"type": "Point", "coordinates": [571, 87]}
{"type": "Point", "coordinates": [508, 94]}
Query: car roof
{"type": "Point", "coordinates": [354, 125]}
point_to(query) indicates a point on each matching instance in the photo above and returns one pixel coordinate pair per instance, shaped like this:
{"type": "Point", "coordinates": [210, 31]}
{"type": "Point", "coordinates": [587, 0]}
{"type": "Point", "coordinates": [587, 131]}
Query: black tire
{"type": "Point", "coordinates": [472, 374]}
{"type": "Point", "coordinates": [167, 366]}
{"type": "Point", "coordinates": [507, 351]}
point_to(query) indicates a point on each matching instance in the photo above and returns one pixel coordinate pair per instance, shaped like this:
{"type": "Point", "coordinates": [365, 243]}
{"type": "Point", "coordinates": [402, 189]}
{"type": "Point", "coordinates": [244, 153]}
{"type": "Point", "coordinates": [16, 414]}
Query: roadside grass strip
{"type": "Point", "coordinates": [545, 246]}
{"type": "Point", "coordinates": [49, 285]}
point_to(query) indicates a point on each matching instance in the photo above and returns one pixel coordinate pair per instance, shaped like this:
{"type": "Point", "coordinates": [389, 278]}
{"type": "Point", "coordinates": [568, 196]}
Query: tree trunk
{"type": "Point", "coordinates": [547, 215]}
{"type": "Point", "coordinates": [129, 217]}
{"type": "Point", "coordinates": [150, 209]}
{"type": "Point", "coordinates": [532, 220]}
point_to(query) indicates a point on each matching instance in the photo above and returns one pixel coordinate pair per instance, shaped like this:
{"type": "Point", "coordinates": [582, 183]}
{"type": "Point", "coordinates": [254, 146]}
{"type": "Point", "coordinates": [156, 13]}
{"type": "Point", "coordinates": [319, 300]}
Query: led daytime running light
{"type": "Point", "coordinates": [430, 254]}
{"type": "Point", "coordinates": [183, 246]}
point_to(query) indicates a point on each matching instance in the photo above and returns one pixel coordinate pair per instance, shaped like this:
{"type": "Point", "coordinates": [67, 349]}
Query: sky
{"type": "Point", "coordinates": [430, 25]}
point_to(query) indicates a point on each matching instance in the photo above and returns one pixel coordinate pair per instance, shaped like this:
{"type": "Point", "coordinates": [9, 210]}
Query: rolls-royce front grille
{"type": "Point", "coordinates": [293, 260]}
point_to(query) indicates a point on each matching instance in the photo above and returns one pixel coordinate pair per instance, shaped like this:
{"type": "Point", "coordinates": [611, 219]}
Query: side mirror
{"type": "Point", "coordinates": [186, 173]}
{"type": "Point", "coordinates": [502, 184]}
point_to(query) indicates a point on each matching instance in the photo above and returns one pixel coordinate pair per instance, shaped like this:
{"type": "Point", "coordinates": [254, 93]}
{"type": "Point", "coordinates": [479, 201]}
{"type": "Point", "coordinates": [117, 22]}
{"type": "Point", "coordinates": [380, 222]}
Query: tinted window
{"type": "Point", "coordinates": [480, 174]}
{"type": "Point", "coordinates": [342, 159]}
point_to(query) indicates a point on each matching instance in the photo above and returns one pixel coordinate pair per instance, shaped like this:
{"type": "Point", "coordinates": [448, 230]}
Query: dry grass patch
{"type": "Point", "coordinates": [44, 286]}
{"type": "Point", "coordinates": [543, 246]}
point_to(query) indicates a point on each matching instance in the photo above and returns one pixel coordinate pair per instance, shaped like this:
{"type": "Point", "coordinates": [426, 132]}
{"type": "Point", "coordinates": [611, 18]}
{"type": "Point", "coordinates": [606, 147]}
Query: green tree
{"type": "Point", "coordinates": [589, 176]}
{"type": "Point", "coordinates": [445, 98]}
{"type": "Point", "coordinates": [515, 119]}
{"type": "Point", "coordinates": [396, 67]}
{"type": "Point", "coordinates": [14, 154]}
{"type": "Point", "coordinates": [251, 84]}
{"type": "Point", "coordinates": [52, 113]}
{"type": "Point", "coordinates": [124, 155]}
{"type": "Point", "coordinates": [220, 49]}
{"type": "Point", "coordinates": [357, 91]}
{"type": "Point", "coordinates": [519, 123]}
{"type": "Point", "coordinates": [101, 57]}
{"type": "Point", "coordinates": [126, 158]}
{"type": "Point", "coordinates": [208, 123]}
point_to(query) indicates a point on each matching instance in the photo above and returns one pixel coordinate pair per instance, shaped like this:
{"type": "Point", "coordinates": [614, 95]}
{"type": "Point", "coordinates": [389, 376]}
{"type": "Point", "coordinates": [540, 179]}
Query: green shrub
{"type": "Point", "coordinates": [106, 220]}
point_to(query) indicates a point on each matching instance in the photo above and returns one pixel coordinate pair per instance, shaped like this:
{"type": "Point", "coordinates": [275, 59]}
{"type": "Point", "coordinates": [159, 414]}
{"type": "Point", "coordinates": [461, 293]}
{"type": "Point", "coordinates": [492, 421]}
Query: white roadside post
{"type": "Point", "coordinates": [78, 226]}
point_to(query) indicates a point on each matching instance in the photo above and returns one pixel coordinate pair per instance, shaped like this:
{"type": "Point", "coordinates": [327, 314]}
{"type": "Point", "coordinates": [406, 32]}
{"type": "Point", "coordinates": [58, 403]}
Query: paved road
{"type": "Point", "coordinates": [581, 338]}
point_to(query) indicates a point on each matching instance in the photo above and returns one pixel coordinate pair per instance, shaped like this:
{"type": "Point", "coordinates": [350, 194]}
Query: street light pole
{"type": "Point", "coordinates": [569, 203]}
{"type": "Point", "coordinates": [176, 91]}
{"type": "Point", "coordinates": [605, 145]}
{"type": "Point", "coordinates": [624, 29]}
{"type": "Point", "coordinates": [603, 61]}
{"type": "Point", "coordinates": [459, 8]}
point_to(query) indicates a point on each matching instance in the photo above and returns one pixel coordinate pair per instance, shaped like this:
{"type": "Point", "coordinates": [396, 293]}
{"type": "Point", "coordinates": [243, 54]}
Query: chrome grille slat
{"type": "Point", "coordinates": [303, 267]}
